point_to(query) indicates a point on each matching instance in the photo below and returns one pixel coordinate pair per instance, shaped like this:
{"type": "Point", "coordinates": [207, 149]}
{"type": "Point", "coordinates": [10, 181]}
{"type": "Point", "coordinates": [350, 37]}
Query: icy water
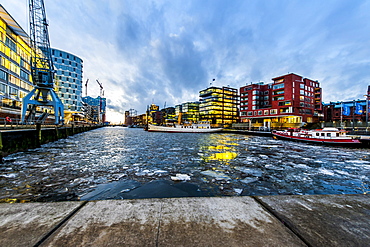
{"type": "Point", "coordinates": [119, 163]}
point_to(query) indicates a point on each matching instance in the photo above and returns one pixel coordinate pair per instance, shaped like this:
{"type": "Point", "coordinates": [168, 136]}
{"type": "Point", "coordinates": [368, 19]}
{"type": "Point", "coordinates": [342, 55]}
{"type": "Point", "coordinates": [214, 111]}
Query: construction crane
{"type": "Point", "coordinates": [101, 88]}
{"type": "Point", "coordinates": [87, 81]}
{"type": "Point", "coordinates": [101, 117]}
{"type": "Point", "coordinates": [42, 68]}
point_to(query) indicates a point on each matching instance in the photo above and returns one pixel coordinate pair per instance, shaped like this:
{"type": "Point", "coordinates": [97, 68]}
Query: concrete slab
{"type": "Point", "coordinates": [26, 224]}
{"type": "Point", "coordinates": [324, 220]}
{"type": "Point", "coordinates": [226, 221]}
{"type": "Point", "coordinates": [111, 223]}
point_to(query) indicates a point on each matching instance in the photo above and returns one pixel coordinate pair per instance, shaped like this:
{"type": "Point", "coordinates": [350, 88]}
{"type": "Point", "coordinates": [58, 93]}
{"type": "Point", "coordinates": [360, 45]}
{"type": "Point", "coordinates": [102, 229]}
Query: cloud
{"type": "Point", "coordinates": [167, 51]}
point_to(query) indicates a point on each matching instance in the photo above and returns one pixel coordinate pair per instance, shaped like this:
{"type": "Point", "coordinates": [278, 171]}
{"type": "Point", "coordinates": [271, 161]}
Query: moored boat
{"type": "Point", "coordinates": [200, 127]}
{"type": "Point", "coordinates": [330, 136]}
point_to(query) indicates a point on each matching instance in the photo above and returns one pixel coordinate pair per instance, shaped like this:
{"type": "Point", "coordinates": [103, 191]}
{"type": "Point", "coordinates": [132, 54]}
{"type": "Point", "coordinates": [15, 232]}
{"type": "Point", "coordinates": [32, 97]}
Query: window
{"type": "Point", "coordinates": [301, 86]}
{"type": "Point", "coordinates": [301, 92]}
{"type": "Point", "coordinates": [273, 111]}
{"type": "Point", "coordinates": [3, 75]}
{"type": "Point", "coordinates": [259, 112]}
{"type": "Point", "coordinates": [278, 86]}
{"type": "Point", "coordinates": [250, 113]}
{"type": "Point", "coordinates": [266, 112]}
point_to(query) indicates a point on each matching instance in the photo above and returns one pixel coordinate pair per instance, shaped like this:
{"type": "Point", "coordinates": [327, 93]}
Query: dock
{"type": "Point", "coordinates": [284, 220]}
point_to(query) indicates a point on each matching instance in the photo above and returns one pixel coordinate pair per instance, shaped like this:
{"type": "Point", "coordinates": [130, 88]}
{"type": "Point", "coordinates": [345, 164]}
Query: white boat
{"type": "Point", "coordinates": [330, 136]}
{"type": "Point", "coordinates": [200, 127]}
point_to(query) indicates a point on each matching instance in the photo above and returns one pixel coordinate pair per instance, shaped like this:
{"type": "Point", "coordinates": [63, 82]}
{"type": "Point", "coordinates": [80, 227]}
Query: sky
{"type": "Point", "coordinates": [166, 51]}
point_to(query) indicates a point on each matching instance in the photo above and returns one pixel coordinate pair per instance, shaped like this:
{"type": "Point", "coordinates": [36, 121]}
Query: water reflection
{"type": "Point", "coordinates": [124, 161]}
{"type": "Point", "coordinates": [224, 149]}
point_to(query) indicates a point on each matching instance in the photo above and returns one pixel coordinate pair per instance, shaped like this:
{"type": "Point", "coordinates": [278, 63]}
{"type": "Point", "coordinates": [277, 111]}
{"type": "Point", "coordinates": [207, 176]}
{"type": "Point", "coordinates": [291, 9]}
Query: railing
{"type": "Point", "coordinates": [15, 123]}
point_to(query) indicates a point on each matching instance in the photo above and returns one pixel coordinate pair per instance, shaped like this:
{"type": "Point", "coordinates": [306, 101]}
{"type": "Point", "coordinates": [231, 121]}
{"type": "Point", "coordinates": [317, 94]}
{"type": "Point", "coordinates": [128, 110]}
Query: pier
{"type": "Point", "coordinates": [290, 220]}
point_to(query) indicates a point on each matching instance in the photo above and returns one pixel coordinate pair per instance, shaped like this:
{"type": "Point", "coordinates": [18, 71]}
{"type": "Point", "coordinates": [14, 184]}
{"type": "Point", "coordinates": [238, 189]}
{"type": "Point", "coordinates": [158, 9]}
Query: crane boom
{"type": "Point", "coordinates": [42, 69]}
{"type": "Point", "coordinates": [87, 81]}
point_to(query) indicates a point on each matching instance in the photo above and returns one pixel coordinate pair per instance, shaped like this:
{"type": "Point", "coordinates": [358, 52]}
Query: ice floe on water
{"type": "Point", "coordinates": [181, 177]}
{"type": "Point", "coordinates": [216, 175]}
{"type": "Point", "coordinates": [223, 164]}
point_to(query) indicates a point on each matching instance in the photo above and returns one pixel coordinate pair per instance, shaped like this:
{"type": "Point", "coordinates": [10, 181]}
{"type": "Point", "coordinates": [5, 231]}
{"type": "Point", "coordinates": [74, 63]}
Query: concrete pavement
{"type": "Point", "coordinates": [309, 220]}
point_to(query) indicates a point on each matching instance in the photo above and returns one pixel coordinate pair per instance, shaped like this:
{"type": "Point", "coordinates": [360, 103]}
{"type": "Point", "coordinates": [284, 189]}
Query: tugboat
{"type": "Point", "coordinates": [329, 136]}
{"type": "Point", "coordinates": [200, 127]}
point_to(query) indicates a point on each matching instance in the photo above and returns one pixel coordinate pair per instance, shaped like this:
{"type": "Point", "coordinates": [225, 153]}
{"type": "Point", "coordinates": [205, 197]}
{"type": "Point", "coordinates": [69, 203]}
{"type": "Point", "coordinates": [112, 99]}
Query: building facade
{"type": "Point", "coordinates": [346, 114]}
{"type": "Point", "coordinates": [187, 112]}
{"type": "Point", "coordinates": [289, 101]}
{"type": "Point", "coordinates": [94, 109]}
{"type": "Point", "coordinates": [219, 105]}
{"type": "Point", "coordinates": [68, 79]}
{"type": "Point", "coordinates": [15, 68]}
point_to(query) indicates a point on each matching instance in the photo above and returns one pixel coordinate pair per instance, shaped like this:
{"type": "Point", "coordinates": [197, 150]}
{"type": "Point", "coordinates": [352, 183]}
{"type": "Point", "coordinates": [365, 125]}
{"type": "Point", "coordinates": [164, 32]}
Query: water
{"type": "Point", "coordinates": [119, 163]}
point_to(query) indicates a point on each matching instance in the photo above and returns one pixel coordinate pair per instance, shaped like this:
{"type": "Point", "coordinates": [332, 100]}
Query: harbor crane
{"type": "Point", "coordinates": [42, 68]}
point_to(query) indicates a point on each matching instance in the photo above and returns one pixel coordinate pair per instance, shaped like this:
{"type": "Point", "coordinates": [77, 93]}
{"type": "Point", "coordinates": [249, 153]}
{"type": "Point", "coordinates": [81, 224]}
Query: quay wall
{"type": "Point", "coordinates": [17, 140]}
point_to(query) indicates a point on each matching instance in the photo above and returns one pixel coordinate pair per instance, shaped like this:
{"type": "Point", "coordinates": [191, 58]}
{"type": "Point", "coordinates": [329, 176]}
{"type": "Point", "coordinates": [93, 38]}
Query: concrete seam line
{"type": "Point", "coordinates": [287, 224]}
{"type": "Point", "coordinates": [159, 224]}
{"type": "Point", "coordinates": [47, 235]}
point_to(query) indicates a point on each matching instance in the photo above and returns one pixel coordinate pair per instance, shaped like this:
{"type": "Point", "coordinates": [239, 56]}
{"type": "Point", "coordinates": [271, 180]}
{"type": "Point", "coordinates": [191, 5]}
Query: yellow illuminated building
{"type": "Point", "coordinates": [15, 69]}
{"type": "Point", "coordinates": [219, 105]}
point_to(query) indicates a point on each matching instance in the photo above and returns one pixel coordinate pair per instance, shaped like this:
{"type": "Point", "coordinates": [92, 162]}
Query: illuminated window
{"type": "Point", "coordinates": [273, 111]}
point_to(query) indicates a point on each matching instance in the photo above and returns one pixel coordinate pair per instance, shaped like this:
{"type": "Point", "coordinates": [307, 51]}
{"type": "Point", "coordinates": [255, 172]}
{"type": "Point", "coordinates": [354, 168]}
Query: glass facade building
{"type": "Point", "coordinates": [219, 105]}
{"type": "Point", "coordinates": [68, 79]}
{"type": "Point", "coordinates": [15, 68]}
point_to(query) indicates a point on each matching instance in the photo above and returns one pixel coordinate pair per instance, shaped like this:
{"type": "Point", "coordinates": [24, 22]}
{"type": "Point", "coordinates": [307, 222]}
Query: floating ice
{"type": "Point", "coordinates": [216, 175]}
{"type": "Point", "coordinates": [11, 175]}
{"type": "Point", "coordinates": [181, 177]}
{"type": "Point", "coordinates": [250, 171]}
{"type": "Point", "coordinates": [238, 191]}
{"type": "Point", "coordinates": [248, 180]}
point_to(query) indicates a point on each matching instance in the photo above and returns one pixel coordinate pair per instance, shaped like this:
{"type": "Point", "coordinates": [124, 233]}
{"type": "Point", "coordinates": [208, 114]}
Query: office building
{"type": "Point", "coordinates": [289, 101]}
{"type": "Point", "coordinates": [15, 68]}
{"type": "Point", "coordinates": [219, 105]}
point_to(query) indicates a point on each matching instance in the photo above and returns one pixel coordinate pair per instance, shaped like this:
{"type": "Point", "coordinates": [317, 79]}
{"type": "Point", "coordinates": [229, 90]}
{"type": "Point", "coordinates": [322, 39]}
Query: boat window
{"type": "Point", "coordinates": [317, 134]}
{"type": "Point", "coordinates": [337, 134]}
{"type": "Point", "coordinates": [328, 134]}
{"type": "Point", "coordinates": [322, 134]}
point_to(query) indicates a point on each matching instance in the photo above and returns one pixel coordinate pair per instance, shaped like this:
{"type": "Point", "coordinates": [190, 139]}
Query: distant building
{"type": "Point", "coordinates": [352, 113]}
{"type": "Point", "coordinates": [187, 112]}
{"type": "Point", "coordinates": [289, 101]}
{"type": "Point", "coordinates": [154, 115]}
{"type": "Point", "coordinates": [219, 105]}
{"type": "Point", "coordinates": [95, 109]}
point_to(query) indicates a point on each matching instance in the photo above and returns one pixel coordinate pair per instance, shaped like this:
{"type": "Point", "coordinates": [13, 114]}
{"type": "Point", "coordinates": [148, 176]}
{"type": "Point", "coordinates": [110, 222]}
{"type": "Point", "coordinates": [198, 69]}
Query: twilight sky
{"type": "Point", "coordinates": [166, 51]}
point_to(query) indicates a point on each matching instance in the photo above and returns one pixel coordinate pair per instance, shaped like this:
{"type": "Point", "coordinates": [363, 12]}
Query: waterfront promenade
{"type": "Point", "coordinates": [309, 220]}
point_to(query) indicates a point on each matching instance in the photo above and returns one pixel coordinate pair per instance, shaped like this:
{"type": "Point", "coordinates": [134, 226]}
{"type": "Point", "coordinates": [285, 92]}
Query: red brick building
{"type": "Point", "coordinates": [289, 101]}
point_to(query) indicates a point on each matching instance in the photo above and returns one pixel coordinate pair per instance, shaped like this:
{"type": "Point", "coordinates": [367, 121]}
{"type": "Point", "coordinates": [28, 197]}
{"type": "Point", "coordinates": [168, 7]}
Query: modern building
{"type": "Point", "coordinates": [289, 101]}
{"type": "Point", "coordinates": [15, 68]}
{"type": "Point", "coordinates": [94, 109]}
{"type": "Point", "coordinates": [69, 81]}
{"type": "Point", "coordinates": [187, 112]}
{"type": "Point", "coordinates": [219, 105]}
{"type": "Point", "coordinates": [345, 113]}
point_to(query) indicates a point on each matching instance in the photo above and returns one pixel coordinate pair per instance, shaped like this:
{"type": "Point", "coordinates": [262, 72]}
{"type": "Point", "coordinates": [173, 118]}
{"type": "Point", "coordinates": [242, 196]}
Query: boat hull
{"type": "Point", "coordinates": [333, 141]}
{"type": "Point", "coordinates": [177, 129]}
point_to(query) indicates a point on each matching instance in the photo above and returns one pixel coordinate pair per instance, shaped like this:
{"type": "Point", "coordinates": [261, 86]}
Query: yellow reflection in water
{"type": "Point", "coordinates": [223, 149]}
